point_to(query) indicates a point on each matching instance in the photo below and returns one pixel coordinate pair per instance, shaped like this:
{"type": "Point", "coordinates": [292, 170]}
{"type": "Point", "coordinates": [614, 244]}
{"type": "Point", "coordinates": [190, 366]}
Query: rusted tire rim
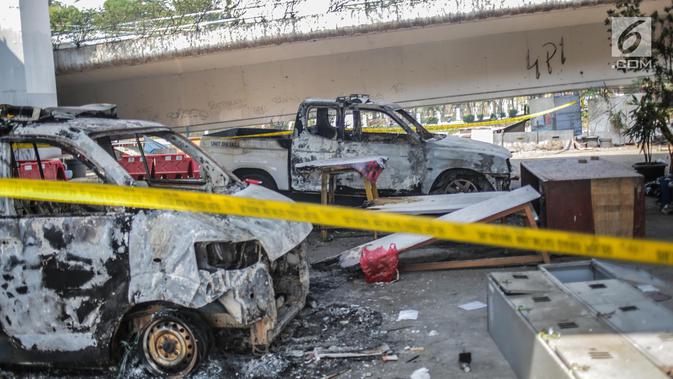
{"type": "Point", "coordinates": [461, 185]}
{"type": "Point", "coordinates": [170, 348]}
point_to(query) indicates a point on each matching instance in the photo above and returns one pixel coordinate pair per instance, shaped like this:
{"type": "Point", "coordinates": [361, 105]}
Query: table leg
{"type": "Point", "coordinates": [324, 194]}
{"type": "Point", "coordinates": [530, 220]}
{"type": "Point", "coordinates": [372, 193]}
{"type": "Point", "coordinates": [369, 189]}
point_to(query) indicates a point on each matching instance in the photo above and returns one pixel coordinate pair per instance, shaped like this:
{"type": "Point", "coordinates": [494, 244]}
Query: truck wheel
{"type": "Point", "coordinates": [173, 343]}
{"type": "Point", "coordinates": [258, 175]}
{"type": "Point", "coordinates": [460, 181]}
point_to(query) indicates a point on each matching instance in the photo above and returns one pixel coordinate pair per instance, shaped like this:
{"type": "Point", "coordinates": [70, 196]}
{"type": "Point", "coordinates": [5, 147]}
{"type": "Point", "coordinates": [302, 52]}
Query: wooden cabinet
{"type": "Point", "coordinates": [588, 195]}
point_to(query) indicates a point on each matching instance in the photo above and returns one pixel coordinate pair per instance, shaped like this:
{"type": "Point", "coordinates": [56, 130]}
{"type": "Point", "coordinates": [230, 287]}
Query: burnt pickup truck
{"type": "Point", "coordinates": [80, 282]}
{"type": "Point", "coordinates": [419, 162]}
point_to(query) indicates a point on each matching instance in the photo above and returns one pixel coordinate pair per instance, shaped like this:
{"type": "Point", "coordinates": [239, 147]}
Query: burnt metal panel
{"type": "Point", "coordinates": [545, 331]}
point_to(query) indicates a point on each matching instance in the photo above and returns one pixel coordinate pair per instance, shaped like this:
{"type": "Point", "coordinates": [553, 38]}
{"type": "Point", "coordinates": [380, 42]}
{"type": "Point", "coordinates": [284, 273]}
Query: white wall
{"type": "Point", "coordinates": [26, 58]}
{"type": "Point", "coordinates": [599, 117]}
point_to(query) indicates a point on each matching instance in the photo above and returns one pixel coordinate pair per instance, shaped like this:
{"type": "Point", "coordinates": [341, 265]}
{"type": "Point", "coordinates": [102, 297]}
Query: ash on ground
{"type": "Point", "coordinates": [323, 325]}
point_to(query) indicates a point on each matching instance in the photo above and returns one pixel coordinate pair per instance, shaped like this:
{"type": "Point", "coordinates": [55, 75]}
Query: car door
{"type": "Point", "coordinates": [64, 270]}
{"type": "Point", "coordinates": [403, 170]}
{"type": "Point", "coordinates": [316, 141]}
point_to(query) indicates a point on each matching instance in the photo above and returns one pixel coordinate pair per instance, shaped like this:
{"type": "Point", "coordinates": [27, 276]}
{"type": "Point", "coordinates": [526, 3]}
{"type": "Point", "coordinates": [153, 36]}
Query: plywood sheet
{"type": "Point", "coordinates": [473, 213]}
{"type": "Point", "coordinates": [612, 201]}
{"type": "Point", "coordinates": [431, 204]}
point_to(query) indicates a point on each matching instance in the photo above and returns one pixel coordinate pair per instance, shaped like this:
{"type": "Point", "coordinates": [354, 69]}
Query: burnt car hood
{"type": "Point", "coordinates": [277, 236]}
{"type": "Point", "coordinates": [163, 263]}
{"type": "Point", "coordinates": [464, 144]}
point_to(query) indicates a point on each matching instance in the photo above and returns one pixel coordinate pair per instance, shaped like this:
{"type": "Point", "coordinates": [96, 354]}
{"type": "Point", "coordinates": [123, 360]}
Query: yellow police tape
{"type": "Point", "coordinates": [645, 251]}
{"type": "Point", "coordinates": [431, 128]}
{"type": "Point", "coordinates": [504, 121]}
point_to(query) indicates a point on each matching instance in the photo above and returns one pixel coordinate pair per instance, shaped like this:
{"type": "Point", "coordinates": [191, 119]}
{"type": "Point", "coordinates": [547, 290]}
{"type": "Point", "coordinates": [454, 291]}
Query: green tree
{"type": "Point", "coordinates": [654, 109]}
{"type": "Point", "coordinates": [136, 17]}
{"type": "Point", "coordinates": [79, 24]}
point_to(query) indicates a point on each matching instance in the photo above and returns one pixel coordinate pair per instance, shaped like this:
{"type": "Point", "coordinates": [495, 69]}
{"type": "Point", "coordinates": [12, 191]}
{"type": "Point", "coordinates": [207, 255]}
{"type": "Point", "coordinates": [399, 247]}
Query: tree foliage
{"type": "Point", "coordinates": [654, 109]}
{"type": "Point", "coordinates": [139, 17]}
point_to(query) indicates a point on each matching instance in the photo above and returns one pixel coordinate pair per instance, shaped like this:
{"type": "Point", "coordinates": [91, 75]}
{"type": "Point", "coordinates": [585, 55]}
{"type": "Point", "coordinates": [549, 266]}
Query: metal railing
{"type": "Point", "coordinates": [244, 12]}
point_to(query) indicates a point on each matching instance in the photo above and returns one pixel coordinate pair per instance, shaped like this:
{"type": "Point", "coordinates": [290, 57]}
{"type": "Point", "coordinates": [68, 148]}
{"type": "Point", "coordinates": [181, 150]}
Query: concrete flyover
{"type": "Point", "coordinates": [26, 63]}
{"type": "Point", "coordinates": [414, 52]}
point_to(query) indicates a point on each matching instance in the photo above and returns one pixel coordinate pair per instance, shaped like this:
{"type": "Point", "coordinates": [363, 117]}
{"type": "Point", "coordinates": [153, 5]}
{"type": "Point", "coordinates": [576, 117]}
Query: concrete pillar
{"type": "Point", "coordinates": [26, 58]}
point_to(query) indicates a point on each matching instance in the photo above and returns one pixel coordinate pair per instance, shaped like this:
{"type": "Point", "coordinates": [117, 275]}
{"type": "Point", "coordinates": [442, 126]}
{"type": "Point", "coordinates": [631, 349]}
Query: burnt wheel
{"type": "Point", "coordinates": [173, 344]}
{"type": "Point", "coordinates": [460, 181]}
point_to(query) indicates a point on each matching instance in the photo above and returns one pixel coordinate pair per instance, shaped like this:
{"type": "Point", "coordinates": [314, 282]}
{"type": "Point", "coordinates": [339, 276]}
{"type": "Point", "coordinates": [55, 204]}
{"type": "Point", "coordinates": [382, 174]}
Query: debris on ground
{"type": "Point", "coordinates": [334, 352]}
{"type": "Point", "coordinates": [413, 358]}
{"type": "Point", "coordinates": [379, 265]}
{"type": "Point", "coordinates": [421, 373]}
{"type": "Point", "coordinates": [471, 306]}
{"type": "Point", "coordinates": [390, 357]}
{"type": "Point", "coordinates": [268, 366]}
{"type": "Point", "coordinates": [415, 349]}
{"type": "Point", "coordinates": [408, 314]}
{"type": "Point", "coordinates": [465, 360]}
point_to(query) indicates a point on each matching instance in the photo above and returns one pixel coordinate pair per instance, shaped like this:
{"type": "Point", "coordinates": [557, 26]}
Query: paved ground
{"type": "Point", "coordinates": [345, 311]}
{"type": "Point", "coordinates": [436, 295]}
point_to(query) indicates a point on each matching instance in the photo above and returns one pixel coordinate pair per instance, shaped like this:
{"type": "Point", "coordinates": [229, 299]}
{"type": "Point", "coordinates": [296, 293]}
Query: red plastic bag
{"type": "Point", "coordinates": [380, 264]}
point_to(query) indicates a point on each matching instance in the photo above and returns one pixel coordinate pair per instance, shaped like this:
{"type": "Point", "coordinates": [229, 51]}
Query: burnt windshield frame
{"type": "Point", "coordinates": [424, 133]}
{"type": "Point", "coordinates": [188, 147]}
{"type": "Point", "coordinates": [65, 145]}
{"type": "Point", "coordinates": [402, 123]}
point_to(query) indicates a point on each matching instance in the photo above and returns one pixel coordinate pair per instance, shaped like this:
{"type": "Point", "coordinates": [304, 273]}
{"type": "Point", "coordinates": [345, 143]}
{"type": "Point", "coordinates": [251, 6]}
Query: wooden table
{"type": "Point", "coordinates": [369, 169]}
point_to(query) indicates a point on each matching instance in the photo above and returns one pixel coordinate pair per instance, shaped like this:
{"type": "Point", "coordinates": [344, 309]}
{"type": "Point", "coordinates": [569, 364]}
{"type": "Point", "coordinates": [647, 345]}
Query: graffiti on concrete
{"type": "Point", "coordinates": [188, 114]}
{"type": "Point", "coordinates": [551, 50]}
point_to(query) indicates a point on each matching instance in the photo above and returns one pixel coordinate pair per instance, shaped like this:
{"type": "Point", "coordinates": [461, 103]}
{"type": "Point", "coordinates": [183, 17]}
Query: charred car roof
{"type": "Point", "coordinates": [94, 120]}
{"type": "Point", "coordinates": [347, 101]}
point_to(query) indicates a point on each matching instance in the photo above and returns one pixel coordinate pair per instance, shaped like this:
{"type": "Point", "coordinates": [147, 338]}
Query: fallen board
{"type": "Point", "coordinates": [342, 162]}
{"type": "Point", "coordinates": [470, 214]}
{"type": "Point", "coordinates": [430, 204]}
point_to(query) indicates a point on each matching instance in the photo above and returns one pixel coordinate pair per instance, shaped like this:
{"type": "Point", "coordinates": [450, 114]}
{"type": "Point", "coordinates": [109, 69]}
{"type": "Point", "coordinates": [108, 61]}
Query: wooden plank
{"type": "Point", "coordinates": [612, 202]}
{"type": "Point", "coordinates": [430, 204]}
{"type": "Point", "coordinates": [342, 163]}
{"type": "Point", "coordinates": [473, 263]}
{"type": "Point", "coordinates": [473, 213]}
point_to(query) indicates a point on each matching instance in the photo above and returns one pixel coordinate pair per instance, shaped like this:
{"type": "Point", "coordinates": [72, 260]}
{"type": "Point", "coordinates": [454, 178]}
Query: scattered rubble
{"type": "Point", "coordinates": [421, 373]}
{"type": "Point", "coordinates": [472, 306]}
{"type": "Point", "coordinates": [465, 360]}
{"type": "Point", "coordinates": [407, 314]}
{"type": "Point", "coordinates": [268, 366]}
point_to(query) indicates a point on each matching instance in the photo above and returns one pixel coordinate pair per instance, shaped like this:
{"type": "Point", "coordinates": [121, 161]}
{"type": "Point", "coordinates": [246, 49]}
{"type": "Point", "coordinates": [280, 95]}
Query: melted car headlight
{"type": "Point", "coordinates": [212, 256]}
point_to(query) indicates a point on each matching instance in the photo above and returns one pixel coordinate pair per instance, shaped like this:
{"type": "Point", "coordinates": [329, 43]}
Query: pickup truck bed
{"type": "Point", "coordinates": [259, 158]}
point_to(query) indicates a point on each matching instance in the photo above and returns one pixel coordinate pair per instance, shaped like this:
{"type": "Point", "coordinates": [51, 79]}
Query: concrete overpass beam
{"type": "Point", "coordinates": [26, 60]}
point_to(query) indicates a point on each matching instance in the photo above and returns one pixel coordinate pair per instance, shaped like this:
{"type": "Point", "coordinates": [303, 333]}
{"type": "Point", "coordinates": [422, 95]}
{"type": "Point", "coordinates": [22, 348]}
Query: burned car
{"type": "Point", "coordinates": [419, 162]}
{"type": "Point", "coordinates": [79, 281]}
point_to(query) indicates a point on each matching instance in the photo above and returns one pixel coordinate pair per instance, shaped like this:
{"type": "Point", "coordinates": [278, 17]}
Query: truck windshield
{"type": "Point", "coordinates": [414, 124]}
